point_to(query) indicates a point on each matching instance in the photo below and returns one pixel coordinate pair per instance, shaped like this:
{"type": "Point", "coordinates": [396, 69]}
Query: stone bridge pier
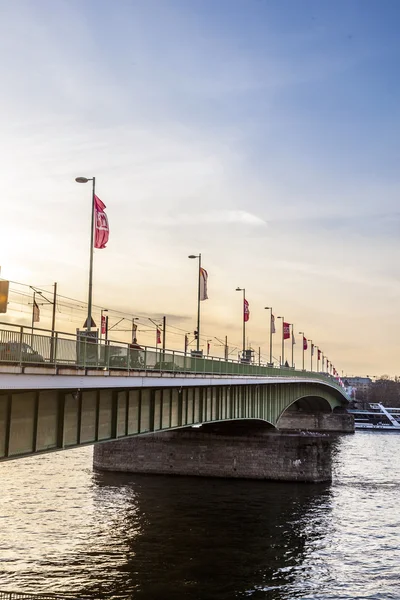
{"type": "Point", "coordinates": [250, 449]}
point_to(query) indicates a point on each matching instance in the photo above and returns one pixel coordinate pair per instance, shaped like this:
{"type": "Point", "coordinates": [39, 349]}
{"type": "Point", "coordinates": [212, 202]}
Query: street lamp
{"type": "Point", "coordinates": [198, 301]}
{"type": "Point", "coordinates": [270, 333]}
{"type": "Point", "coordinates": [302, 345]}
{"type": "Point", "coordinates": [283, 340]}
{"type": "Point", "coordinates": [89, 315]}
{"type": "Point", "coordinates": [238, 289]}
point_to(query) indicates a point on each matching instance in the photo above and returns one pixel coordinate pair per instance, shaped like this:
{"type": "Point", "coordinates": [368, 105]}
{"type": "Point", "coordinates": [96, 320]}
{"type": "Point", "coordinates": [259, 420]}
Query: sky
{"type": "Point", "coordinates": [262, 133]}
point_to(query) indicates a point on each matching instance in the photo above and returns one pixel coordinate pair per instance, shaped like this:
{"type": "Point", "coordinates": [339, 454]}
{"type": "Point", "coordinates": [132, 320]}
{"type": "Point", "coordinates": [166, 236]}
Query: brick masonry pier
{"type": "Point", "coordinates": [212, 451]}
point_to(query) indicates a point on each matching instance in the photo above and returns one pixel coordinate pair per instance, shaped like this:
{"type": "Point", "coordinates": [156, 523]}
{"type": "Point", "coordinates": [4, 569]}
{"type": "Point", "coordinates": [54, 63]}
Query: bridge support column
{"type": "Point", "coordinates": [256, 454]}
{"type": "Point", "coordinates": [336, 422]}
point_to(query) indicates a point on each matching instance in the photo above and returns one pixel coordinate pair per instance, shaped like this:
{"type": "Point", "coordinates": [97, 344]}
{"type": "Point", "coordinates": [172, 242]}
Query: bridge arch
{"type": "Point", "coordinates": [309, 403]}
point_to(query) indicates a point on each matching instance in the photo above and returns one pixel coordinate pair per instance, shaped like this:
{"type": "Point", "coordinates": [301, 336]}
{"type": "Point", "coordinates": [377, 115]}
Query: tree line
{"type": "Point", "coordinates": [384, 390]}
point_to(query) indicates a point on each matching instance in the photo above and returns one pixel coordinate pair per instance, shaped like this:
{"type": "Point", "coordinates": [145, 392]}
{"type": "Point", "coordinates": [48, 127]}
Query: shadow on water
{"type": "Point", "coordinates": [193, 538]}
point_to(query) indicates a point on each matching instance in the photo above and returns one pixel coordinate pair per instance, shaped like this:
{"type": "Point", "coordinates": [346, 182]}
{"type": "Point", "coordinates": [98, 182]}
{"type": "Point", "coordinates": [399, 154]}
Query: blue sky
{"type": "Point", "coordinates": [264, 134]}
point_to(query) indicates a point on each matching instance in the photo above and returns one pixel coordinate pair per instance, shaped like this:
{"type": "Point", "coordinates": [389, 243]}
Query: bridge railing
{"type": "Point", "coordinates": [21, 345]}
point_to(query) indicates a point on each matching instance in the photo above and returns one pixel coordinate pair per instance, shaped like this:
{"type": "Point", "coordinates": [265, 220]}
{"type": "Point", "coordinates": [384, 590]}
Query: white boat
{"type": "Point", "coordinates": [377, 417]}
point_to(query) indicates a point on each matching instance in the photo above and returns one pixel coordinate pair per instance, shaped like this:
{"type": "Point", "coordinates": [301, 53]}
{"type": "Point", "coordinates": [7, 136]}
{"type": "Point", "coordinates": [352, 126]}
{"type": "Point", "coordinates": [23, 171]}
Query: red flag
{"type": "Point", "coordinates": [158, 336]}
{"type": "Point", "coordinates": [286, 330]}
{"type": "Point", "coordinates": [101, 228]}
{"type": "Point", "coordinates": [305, 345]}
{"type": "Point", "coordinates": [319, 354]}
{"type": "Point", "coordinates": [103, 324]}
{"type": "Point", "coordinates": [208, 348]}
{"type": "Point", "coordinates": [246, 311]}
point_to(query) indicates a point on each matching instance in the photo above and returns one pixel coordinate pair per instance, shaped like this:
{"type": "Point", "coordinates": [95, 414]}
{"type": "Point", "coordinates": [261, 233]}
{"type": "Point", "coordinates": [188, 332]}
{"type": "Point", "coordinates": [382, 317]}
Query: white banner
{"type": "Point", "coordinates": [203, 284]}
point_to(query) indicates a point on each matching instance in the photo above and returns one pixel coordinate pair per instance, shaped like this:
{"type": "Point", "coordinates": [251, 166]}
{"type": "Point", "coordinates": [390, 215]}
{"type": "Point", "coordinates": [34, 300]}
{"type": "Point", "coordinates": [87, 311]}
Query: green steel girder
{"type": "Point", "coordinates": [43, 420]}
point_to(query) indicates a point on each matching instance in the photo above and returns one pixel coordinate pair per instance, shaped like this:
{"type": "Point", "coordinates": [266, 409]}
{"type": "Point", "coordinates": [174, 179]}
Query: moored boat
{"type": "Point", "coordinates": [377, 417]}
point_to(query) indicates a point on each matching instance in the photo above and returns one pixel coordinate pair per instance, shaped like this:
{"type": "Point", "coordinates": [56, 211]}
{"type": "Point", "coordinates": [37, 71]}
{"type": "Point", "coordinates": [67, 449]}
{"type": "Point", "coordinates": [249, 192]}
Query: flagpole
{"type": "Point", "coordinates": [244, 325]}
{"type": "Point", "coordinates": [270, 333]}
{"type": "Point", "coordinates": [239, 289]}
{"type": "Point", "coordinates": [53, 322]}
{"type": "Point", "coordinates": [198, 306]}
{"type": "Point", "coordinates": [33, 315]}
{"type": "Point", "coordinates": [89, 321]}
{"type": "Point", "coordinates": [283, 341]}
{"type": "Point", "coordinates": [292, 347]}
{"type": "Point", "coordinates": [311, 353]}
{"type": "Point", "coordinates": [89, 315]}
{"type": "Point", "coordinates": [164, 327]}
{"type": "Point", "coordinates": [198, 299]}
{"type": "Point", "coordinates": [302, 345]}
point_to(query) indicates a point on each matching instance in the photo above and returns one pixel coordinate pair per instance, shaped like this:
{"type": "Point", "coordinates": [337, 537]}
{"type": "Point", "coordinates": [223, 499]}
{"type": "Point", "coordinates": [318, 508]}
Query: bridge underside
{"type": "Point", "coordinates": [43, 420]}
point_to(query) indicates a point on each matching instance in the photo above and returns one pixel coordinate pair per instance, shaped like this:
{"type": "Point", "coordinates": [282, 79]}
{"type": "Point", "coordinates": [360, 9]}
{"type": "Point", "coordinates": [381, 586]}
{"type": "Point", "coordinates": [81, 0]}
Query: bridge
{"type": "Point", "coordinates": [59, 391]}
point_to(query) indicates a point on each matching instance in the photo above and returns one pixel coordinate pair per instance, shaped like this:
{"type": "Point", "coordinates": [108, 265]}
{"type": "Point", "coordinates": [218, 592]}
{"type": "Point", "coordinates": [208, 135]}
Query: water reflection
{"type": "Point", "coordinates": [216, 539]}
{"type": "Point", "coordinates": [65, 528]}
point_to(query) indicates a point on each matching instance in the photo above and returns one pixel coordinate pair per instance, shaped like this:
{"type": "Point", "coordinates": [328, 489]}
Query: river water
{"type": "Point", "coordinates": [64, 528]}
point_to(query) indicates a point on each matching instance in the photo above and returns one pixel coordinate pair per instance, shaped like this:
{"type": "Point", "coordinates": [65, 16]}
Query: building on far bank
{"type": "Point", "coordinates": [361, 384]}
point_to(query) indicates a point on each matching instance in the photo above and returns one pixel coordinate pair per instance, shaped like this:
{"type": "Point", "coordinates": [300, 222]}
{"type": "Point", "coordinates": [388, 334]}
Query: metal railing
{"type": "Point", "coordinates": [21, 345]}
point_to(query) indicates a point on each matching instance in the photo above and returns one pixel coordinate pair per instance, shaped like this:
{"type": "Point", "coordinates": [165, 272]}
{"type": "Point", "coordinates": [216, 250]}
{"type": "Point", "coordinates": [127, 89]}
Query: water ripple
{"type": "Point", "coordinates": [65, 528]}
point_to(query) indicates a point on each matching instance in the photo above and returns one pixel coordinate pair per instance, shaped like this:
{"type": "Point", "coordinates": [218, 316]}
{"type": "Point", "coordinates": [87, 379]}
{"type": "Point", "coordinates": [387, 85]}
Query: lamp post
{"type": "Point", "coordinates": [89, 315]}
{"type": "Point", "coordinates": [238, 289]}
{"type": "Point", "coordinates": [270, 333]}
{"type": "Point", "coordinates": [302, 345]}
{"type": "Point", "coordinates": [312, 352]}
{"type": "Point", "coordinates": [198, 301]}
{"type": "Point", "coordinates": [283, 341]}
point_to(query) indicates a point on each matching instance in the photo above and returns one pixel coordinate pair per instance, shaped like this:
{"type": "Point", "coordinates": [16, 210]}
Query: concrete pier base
{"type": "Point", "coordinates": [337, 422]}
{"type": "Point", "coordinates": [253, 454]}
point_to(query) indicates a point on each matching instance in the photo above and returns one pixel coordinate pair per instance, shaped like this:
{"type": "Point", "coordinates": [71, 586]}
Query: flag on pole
{"type": "Point", "coordinates": [134, 332]}
{"type": "Point", "coordinates": [246, 311]}
{"type": "Point", "coordinates": [286, 330]}
{"type": "Point", "coordinates": [101, 227]}
{"type": "Point", "coordinates": [305, 345]}
{"type": "Point", "coordinates": [186, 342]}
{"type": "Point", "coordinates": [203, 284]}
{"type": "Point", "coordinates": [319, 354]}
{"type": "Point", "coordinates": [293, 338]}
{"type": "Point", "coordinates": [272, 324]}
{"type": "Point", "coordinates": [312, 349]}
{"type": "Point", "coordinates": [158, 336]}
{"type": "Point", "coordinates": [103, 324]}
{"type": "Point", "coordinates": [208, 348]}
{"type": "Point", "coordinates": [36, 312]}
